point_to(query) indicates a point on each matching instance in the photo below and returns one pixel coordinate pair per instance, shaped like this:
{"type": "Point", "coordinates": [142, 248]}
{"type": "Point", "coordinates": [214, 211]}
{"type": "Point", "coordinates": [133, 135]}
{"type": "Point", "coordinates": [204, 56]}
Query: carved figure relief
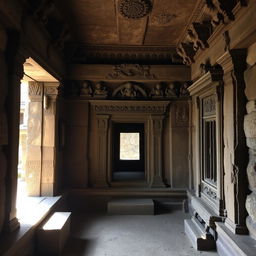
{"type": "Point", "coordinates": [184, 90]}
{"type": "Point", "coordinates": [130, 70]}
{"type": "Point", "coordinates": [198, 35]}
{"type": "Point", "coordinates": [100, 90]}
{"type": "Point", "coordinates": [134, 9]}
{"type": "Point", "coordinates": [86, 90]}
{"type": "Point", "coordinates": [170, 91]}
{"type": "Point", "coordinates": [129, 90]}
{"type": "Point", "coordinates": [157, 91]}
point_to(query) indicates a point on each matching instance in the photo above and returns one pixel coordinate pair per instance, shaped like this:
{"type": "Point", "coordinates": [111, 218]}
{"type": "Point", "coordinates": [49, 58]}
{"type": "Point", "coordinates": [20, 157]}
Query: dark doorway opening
{"type": "Point", "coordinates": [128, 152]}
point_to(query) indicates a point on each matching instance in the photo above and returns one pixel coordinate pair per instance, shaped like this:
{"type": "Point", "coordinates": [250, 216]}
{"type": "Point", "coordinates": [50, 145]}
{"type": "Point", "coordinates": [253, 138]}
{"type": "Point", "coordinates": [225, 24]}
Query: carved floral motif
{"type": "Point", "coordinates": [134, 9]}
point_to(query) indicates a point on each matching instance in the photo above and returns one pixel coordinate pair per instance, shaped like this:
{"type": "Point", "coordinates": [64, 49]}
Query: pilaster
{"type": "Point", "coordinates": [103, 125]}
{"type": "Point", "coordinates": [233, 63]}
{"type": "Point", "coordinates": [156, 153]}
{"type": "Point", "coordinates": [48, 180]}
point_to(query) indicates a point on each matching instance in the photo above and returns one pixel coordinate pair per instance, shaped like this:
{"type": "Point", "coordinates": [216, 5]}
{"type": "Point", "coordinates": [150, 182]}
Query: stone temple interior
{"type": "Point", "coordinates": [132, 106]}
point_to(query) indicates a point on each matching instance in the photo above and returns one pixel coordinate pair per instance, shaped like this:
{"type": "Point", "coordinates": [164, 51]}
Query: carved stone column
{"type": "Point", "coordinates": [48, 180]}
{"type": "Point", "coordinates": [16, 61]}
{"type": "Point", "coordinates": [34, 139]}
{"type": "Point", "coordinates": [156, 151]}
{"type": "Point", "coordinates": [103, 124]}
{"type": "Point", "coordinates": [250, 132]}
{"type": "Point", "coordinates": [3, 125]}
{"type": "Point", "coordinates": [235, 160]}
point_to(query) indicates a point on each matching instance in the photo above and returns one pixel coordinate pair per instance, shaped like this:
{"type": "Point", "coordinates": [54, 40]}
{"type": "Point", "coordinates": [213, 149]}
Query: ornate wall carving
{"type": "Point", "coordinates": [131, 71]}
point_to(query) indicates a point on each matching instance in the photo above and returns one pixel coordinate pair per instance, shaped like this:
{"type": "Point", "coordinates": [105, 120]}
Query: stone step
{"type": "Point", "coordinates": [52, 235]}
{"type": "Point", "coordinates": [198, 237]}
{"type": "Point", "coordinates": [131, 207]}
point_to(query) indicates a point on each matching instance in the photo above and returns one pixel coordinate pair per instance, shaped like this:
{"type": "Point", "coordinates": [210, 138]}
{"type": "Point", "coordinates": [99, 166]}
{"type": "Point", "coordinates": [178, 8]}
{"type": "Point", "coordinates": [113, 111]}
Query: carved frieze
{"type": "Point", "coordinates": [86, 89]}
{"type": "Point", "coordinates": [131, 71]}
{"type": "Point", "coordinates": [134, 9]}
{"type": "Point", "coordinates": [102, 107]}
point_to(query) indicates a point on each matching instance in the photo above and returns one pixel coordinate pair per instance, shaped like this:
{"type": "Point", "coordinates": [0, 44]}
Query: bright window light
{"type": "Point", "coordinates": [129, 146]}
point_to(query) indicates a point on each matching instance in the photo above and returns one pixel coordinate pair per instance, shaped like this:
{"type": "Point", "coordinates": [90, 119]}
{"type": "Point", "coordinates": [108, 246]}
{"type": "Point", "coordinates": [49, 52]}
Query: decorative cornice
{"type": "Point", "coordinates": [214, 75]}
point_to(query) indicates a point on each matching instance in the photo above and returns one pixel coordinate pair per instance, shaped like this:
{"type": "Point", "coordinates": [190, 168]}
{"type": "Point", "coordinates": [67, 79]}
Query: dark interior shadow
{"type": "Point", "coordinates": [78, 247]}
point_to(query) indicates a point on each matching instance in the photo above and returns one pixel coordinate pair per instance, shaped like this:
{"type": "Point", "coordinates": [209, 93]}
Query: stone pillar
{"type": "Point", "coordinates": [102, 124]}
{"type": "Point", "coordinates": [3, 125]}
{"type": "Point", "coordinates": [156, 151]}
{"type": "Point", "coordinates": [34, 139]}
{"type": "Point", "coordinates": [48, 176]}
{"type": "Point", "coordinates": [233, 63]}
{"type": "Point", "coordinates": [16, 61]}
{"type": "Point", "coordinates": [250, 132]}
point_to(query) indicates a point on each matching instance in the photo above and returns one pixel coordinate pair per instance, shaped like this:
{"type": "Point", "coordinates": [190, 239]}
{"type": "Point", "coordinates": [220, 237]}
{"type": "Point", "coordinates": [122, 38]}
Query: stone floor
{"type": "Point", "coordinates": [99, 234]}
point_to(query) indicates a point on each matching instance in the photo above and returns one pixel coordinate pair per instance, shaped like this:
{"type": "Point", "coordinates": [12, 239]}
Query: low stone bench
{"type": "Point", "coordinates": [52, 235]}
{"type": "Point", "coordinates": [131, 207]}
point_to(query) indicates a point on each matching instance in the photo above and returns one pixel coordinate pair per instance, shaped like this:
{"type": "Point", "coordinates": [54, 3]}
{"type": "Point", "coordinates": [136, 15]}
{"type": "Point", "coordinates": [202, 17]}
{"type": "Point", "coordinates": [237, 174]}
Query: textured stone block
{"type": "Point", "coordinates": [251, 143]}
{"type": "Point", "coordinates": [251, 227]}
{"type": "Point", "coordinates": [251, 170]}
{"type": "Point", "coordinates": [250, 80]}
{"type": "Point", "coordinates": [250, 125]}
{"type": "Point", "coordinates": [251, 205]}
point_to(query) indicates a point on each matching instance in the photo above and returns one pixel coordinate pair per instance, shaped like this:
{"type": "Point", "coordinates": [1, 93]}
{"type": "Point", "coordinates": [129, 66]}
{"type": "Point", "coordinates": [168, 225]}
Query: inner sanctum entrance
{"type": "Point", "coordinates": [128, 152]}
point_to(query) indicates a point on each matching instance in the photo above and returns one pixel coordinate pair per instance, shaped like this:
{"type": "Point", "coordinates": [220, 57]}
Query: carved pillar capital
{"type": "Point", "coordinates": [35, 91]}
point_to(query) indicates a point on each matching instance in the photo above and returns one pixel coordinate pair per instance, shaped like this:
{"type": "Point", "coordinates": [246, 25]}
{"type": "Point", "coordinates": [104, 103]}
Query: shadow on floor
{"type": "Point", "coordinates": [78, 246]}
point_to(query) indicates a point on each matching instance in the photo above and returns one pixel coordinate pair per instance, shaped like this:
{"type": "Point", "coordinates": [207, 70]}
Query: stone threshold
{"type": "Point", "coordinates": [21, 241]}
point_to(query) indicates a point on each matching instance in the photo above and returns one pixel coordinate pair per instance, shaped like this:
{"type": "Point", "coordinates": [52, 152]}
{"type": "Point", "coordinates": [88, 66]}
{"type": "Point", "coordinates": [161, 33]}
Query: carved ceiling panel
{"type": "Point", "coordinates": [127, 22]}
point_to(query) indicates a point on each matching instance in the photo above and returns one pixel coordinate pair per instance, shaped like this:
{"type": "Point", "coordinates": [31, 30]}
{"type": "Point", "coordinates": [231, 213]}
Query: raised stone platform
{"type": "Point", "coordinates": [229, 244]}
{"type": "Point", "coordinates": [131, 207]}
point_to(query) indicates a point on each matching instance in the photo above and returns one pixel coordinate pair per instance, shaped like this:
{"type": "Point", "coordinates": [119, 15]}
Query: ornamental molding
{"type": "Point", "coordinates": [134, 9]}
{"type": "Point", "coordinates": [145, 107]}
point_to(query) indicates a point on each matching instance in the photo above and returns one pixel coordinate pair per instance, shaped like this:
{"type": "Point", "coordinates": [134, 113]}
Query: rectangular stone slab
{"type": "Point", "coordinates": [131, 207]}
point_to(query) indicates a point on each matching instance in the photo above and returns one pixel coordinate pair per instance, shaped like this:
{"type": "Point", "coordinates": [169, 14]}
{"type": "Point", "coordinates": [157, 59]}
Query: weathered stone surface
{"type": "Point", "coordinates": [251, 56]}
{"type": "Point", "coordinates": [250, 125]}
{"type": "Point", "coordinates": [251, 227]}
{"type": "Point", "coordinates": [251, 143]}
{"type": "Point", "coordinates": [251, 206]}
{"type": "Point", "coordinates": [251, 106]}
{"type": "Point", "coordinates": [250, 80]}
{"type": "Point", "coordinates": [251, 170]}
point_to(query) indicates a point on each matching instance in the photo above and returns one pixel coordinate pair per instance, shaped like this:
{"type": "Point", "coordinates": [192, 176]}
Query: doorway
{"type": "Point", "coordinates": [128, 152]}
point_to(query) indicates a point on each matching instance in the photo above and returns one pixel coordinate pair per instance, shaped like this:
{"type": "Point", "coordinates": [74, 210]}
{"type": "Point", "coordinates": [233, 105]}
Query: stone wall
{"type": "Point", "coordinates": [250, 132]}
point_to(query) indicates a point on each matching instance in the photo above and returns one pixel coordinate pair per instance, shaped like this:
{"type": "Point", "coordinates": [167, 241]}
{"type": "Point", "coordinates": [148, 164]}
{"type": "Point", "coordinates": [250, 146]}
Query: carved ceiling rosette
{"type": "Point", "coordinates": [134, 9]}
